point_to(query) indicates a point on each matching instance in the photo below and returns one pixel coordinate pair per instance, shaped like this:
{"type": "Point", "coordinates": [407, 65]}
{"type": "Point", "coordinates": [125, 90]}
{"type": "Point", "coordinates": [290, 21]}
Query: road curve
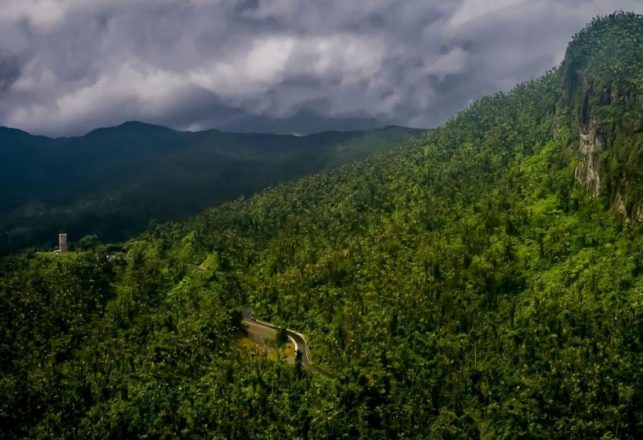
{"type": "Point", "coordinates": [301, 345]}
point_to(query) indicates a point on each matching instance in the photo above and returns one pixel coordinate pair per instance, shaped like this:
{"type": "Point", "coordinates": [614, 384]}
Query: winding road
{"type": "Point", "coordinates": [299, 340]}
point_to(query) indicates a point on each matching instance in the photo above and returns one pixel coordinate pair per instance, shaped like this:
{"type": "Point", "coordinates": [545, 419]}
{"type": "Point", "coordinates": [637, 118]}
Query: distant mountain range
{"type": "Point", "coordinates": [113, 181]}
{"type": "Point", "coordinates": [304, 121]}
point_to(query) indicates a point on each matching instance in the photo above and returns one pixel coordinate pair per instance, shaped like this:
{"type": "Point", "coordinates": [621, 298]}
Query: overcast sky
{"type": "Point", "coordinates": [67, 66]}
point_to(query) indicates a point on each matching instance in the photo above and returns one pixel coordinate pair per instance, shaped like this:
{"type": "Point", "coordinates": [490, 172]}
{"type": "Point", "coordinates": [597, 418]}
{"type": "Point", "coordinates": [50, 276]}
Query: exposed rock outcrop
{"type": "Point", "coordinates": [587, 170]}
{"type": "Point", "coordinates": [600, 111]}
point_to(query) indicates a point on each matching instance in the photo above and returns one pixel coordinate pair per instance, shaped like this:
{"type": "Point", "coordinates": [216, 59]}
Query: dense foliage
{"type": "Point", "coordinates": [601, 95]}
{"type": "Point", "coordinates": [114, 181]}
{"type": "Point", "coordinates": [464, 286]}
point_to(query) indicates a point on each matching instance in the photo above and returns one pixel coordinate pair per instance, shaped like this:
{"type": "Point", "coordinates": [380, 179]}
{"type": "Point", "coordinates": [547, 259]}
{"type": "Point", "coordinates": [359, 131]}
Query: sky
{"type": "Point", "coordinates": [68, 66]}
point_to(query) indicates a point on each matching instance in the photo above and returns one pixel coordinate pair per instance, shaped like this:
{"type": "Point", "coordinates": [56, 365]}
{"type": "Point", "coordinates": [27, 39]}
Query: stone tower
{"type": "Point", "coordinates": [62, 243]}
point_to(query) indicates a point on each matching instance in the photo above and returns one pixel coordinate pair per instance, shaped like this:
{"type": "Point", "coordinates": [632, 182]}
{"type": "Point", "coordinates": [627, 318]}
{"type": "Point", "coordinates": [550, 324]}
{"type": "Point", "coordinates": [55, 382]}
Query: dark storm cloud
{"type": "Point", "coordinates": [9, 71]}
{"type": "Point", "coordinates": [67, 66]}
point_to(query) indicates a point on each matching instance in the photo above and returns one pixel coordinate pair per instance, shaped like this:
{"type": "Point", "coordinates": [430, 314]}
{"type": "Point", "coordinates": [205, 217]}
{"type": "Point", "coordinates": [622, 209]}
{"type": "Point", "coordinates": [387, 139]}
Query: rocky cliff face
{"type": "Point", "coordinates": [595, 140]}
{"type": "Point", "coordinates": [588, 169]}
{"type": "Point", "coordinates": [601, 101]}
{"type": "Point", "coordinates": [594, 135]}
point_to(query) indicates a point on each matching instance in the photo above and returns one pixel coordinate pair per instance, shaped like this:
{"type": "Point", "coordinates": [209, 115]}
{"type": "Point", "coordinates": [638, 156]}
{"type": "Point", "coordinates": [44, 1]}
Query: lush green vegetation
{"type": "Point", "coordinates": [600, 95]}
{"type": "Point", "coordinates": [113, 182]}
{"type": "Point", "coordinates": [465, 286]}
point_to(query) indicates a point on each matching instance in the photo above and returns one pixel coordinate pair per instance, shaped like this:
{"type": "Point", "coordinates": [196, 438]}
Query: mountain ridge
{"type": "Point", "coordinates": [77, 184]}
{"type": "Point", "coordinates": [149, 125]}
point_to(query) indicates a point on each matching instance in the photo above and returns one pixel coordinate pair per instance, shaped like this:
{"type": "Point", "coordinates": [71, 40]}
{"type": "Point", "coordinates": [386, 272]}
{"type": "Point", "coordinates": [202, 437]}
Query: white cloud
{"type": "Point", "coordinates": [133, 89]}
{"type": "Point", "coordinates": [472, 10]}
{"type": "Point", "coordinates": [449, 63]}
{"type": "Point", "coordinates": [70, 65]}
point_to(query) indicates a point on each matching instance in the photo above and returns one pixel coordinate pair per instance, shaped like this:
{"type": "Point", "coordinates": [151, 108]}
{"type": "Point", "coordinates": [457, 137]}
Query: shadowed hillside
{"type": "Point", "coordinates": [113, 181]}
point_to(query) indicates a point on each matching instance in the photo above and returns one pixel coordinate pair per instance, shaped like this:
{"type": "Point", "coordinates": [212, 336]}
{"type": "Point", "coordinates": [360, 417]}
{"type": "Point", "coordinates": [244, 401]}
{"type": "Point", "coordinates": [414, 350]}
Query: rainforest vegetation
{"type": "Point", "coordinates": [113, 182]}
{"type": "Point", "coordinates": [469, 284]}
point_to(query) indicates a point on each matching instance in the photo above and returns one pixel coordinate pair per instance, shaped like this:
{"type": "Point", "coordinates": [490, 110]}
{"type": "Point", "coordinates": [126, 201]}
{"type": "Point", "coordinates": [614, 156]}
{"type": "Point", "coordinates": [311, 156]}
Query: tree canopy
{"type": "Point", "coordinates": [462, 286]}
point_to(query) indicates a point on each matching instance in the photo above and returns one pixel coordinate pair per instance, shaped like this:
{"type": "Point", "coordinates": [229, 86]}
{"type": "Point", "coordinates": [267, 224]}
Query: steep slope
{"type": "Point", "coordinates": [466, 286]}
{"type": "Point", "coordinates": [600, 98]}
{"type": "Point", "coordinates": [114, 181]}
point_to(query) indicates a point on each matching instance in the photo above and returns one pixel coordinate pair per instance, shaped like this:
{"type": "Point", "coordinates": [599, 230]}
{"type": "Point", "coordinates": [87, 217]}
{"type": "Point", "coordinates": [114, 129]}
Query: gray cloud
{"type": "Point", "coordinates": [10, 68]}
{"type": "Point", "coordinates": [67, 66]}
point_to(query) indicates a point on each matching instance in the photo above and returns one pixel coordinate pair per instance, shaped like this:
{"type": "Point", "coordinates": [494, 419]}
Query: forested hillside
{"type": "Point", "coordinates": [474, 284]}
{"type": "Point", "coordinates": [114, 181]}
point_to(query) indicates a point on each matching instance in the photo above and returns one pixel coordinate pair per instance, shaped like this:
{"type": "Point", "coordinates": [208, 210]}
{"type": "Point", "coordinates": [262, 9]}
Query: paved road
{"type": "Point", "coordinates": [301, 345]}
